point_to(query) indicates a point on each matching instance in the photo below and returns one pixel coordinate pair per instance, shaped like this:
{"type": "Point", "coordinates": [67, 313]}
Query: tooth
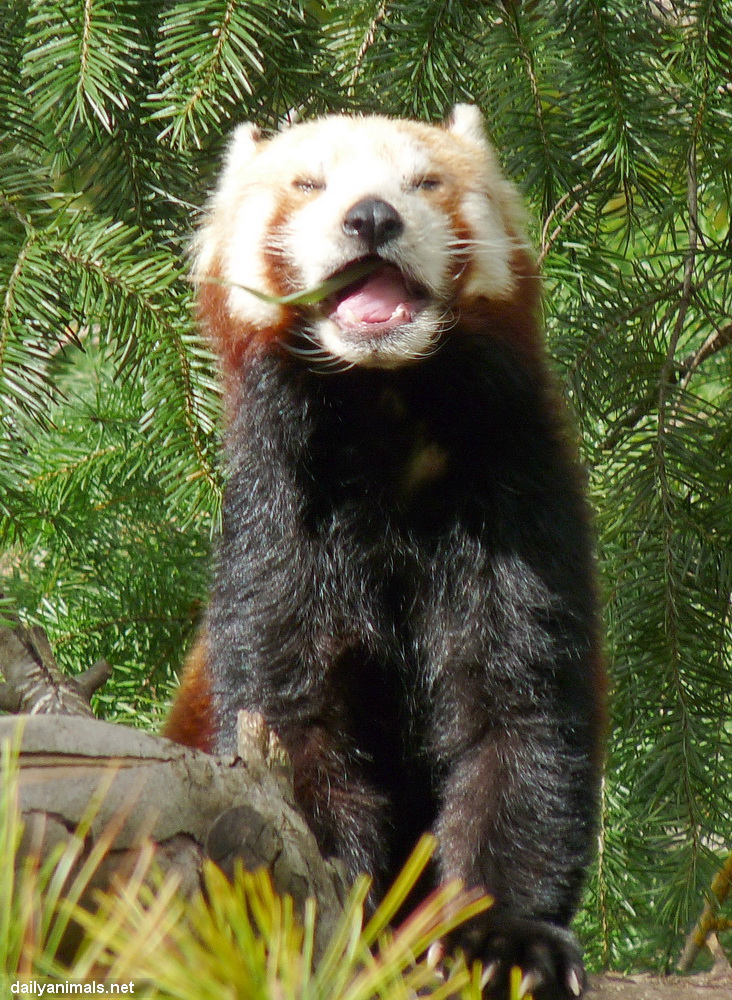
{"type": "Point", "coordinates": [573, 981]}
{"type": "Point", "coordinates": [531, 980]}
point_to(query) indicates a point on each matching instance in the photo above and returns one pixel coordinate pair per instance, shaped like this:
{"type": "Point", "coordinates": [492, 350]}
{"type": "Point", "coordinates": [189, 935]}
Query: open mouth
{"type": "Point", "coordinates": [377, 302]}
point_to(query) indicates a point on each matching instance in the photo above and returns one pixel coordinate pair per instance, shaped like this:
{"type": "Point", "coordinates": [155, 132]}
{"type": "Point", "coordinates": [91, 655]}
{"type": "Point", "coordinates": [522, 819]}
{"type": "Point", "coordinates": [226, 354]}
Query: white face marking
{"type": "Point", "coordinates": [291, 195]}
{"type": "Point", "coordinates": [491, 251]}
{"type": "Point", "coordinates": [366, 164]}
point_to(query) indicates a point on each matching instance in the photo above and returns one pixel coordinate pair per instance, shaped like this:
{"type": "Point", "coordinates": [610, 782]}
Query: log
{"type": "Point", "coordinates": [144, 788]}
{"type": "Point", "coordinates": [190, 804]}
{"type": "Point", "coordinates": [33, 681]}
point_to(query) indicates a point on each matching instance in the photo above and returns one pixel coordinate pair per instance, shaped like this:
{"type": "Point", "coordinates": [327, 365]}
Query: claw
{"type": "Point", "coordinates": [574, 983]}
{"type": "Point", "coordinates": [530, 981]}
{"type": "Point", "coordinates": [489, 973]}
{"type": "Point", "coordinates": [435, 954]}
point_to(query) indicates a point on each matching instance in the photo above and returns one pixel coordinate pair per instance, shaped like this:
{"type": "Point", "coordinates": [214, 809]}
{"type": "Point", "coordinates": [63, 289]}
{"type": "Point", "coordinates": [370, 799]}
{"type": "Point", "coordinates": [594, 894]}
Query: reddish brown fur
{"type": "Point", "coordinates": [233, 339]}
{"type": "Point", "coordinates": [191, 720]}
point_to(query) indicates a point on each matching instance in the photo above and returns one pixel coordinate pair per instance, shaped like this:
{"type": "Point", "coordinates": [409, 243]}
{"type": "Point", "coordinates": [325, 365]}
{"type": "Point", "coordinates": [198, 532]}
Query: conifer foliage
{"type": "Point", "coordinates": [616, 120]}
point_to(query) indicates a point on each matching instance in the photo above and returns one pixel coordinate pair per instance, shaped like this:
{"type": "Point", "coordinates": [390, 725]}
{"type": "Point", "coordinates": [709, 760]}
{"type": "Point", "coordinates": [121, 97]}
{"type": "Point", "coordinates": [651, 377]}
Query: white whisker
{"type": "Point", "coordinates": [316, 357]}
{"type": "Point", "coordinates": [466, 245]}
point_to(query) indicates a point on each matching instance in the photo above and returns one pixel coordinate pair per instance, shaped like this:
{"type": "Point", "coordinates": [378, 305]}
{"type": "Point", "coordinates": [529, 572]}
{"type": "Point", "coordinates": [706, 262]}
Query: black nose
{"type": "Point", "coordinates": [374, 220]}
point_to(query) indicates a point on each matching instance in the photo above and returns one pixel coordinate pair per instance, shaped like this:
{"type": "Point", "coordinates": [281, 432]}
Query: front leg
{"type": "Point", "coordinates": [301, 688]}
{"type": "Point", "coordinates": [517, 820]}
{"type": "Point", "coordinates": [344, 809]}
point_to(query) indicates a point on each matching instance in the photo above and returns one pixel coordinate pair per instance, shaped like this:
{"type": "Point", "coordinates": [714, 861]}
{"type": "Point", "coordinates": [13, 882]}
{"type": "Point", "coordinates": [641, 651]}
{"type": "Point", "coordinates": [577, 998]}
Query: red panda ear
{"type": "Point", "coordinates": [242, 147]}
{"type": "Point", "coordinates": [291, 117]}
{"type": "Point", "coordinates": [244, 141]}
{"type": "Point", "coordinates": [466, 121]}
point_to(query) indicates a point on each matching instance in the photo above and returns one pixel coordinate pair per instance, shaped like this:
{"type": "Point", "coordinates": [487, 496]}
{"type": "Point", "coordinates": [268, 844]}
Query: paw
{"type": "Point", "coordinates": [547, 956]}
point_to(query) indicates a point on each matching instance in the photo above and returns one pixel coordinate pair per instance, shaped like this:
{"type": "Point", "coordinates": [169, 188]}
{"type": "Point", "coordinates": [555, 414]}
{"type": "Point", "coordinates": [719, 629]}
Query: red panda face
{"type": "Point", "coordinates": [426, 205]}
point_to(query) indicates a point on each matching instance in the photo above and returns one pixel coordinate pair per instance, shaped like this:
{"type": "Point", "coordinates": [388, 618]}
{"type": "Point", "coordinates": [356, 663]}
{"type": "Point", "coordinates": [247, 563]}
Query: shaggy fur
{"type": "Point", "coordinates": [404, 583]}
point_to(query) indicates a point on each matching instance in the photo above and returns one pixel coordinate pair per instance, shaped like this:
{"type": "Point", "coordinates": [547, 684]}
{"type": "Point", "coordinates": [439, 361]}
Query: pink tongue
{"type": "Point", "coordinates": [376, 300]}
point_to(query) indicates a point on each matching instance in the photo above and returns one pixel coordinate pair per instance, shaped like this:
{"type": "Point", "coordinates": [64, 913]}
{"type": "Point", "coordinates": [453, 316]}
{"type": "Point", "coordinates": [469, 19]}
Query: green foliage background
{"type": "Point", "coordinates": [615, 119]}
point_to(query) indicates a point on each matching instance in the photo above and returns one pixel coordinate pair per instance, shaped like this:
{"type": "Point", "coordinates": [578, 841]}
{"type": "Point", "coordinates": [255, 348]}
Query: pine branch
{"type": "Point", "coordinates": [548, 239]}
{"type": "Point", "coordinates": [679, 377]}
{"type": "Point", "coordinates": [715, 342]}
{"type": "Point", "coordinates": [368, 41]}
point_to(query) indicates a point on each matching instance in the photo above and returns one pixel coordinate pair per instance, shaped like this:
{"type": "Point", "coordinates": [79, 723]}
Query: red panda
{"type": "Point", "coordinates": [404, 584]}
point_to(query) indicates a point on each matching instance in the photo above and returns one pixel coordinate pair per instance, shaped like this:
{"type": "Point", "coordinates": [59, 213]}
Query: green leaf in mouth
{"type": "Point", "coordinates": [308, 296]}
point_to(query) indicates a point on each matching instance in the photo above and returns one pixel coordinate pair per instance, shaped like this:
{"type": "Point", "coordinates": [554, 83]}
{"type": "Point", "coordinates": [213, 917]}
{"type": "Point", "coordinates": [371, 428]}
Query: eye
{"type": "Point", "coordinates": [308, 184]}
{"type": "Point", "coordinates": [429, 182]}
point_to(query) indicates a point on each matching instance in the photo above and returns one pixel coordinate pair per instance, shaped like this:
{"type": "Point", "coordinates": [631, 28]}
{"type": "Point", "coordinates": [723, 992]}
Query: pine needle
{"type": "Point", "coordinates": [309, 296]}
